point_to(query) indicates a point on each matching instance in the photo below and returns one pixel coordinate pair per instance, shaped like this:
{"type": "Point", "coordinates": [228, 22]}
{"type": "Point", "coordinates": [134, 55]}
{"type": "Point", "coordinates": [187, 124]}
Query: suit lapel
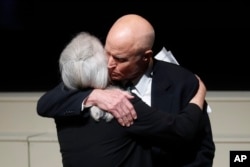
{"type": "Point", "coordinates": [160, 98]}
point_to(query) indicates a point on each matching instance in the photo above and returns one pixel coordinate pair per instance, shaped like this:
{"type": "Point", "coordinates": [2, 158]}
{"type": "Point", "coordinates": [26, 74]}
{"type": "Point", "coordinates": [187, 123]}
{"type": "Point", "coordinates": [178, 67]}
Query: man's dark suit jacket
{"type": "Point", "coordinates": [172, 89]}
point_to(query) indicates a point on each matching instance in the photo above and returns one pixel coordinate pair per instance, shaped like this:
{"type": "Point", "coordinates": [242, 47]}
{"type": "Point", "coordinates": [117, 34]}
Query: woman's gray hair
{"type": "Point", "coordinates": [83, 63]}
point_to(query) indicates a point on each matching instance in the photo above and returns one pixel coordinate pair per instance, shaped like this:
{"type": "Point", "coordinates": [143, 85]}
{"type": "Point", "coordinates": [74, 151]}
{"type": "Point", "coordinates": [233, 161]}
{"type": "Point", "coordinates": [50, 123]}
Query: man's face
{"type": "Point", "coordinates": [124, 66]}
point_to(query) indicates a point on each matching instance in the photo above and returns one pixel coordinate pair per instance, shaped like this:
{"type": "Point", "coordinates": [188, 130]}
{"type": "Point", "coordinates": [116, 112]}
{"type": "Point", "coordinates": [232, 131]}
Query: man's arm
{"type": "Point", "coordinates": [115, 101]}
{"type": "Point", "coordinates": [163, 126]}
{"type": "Point", "coordinates": [58, 102]}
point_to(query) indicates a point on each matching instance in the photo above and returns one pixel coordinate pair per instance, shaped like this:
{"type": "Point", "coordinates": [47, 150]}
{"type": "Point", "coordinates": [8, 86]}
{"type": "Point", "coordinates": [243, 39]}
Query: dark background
{"type": "Point", "coordinates": [209, 38]}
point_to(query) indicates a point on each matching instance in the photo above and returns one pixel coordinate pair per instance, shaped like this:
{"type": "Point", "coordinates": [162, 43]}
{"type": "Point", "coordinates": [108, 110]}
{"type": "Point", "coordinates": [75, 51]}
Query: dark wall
{"type": "Point", "coordinates": [210, 39]}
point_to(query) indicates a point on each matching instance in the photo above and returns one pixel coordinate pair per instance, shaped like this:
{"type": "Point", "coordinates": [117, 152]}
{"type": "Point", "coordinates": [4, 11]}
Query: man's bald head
{"type": "Point", "coordinates": [133, 31]}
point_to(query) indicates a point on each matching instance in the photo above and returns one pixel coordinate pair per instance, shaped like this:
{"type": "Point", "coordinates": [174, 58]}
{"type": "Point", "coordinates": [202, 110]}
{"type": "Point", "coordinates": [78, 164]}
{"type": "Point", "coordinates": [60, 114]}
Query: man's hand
{"type": "Point", "coordinates": [115, 101]}
{"type": "Point", "coordinates": [199, 98]}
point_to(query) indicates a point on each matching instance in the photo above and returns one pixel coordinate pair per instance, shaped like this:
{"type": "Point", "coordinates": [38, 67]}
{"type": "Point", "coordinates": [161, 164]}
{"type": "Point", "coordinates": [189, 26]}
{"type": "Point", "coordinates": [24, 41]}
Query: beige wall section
{"type": "Point", "coordinates": [29, 140]}
{"type": "Point", "coordinates": [230, 120]}
{"type": "Point", "coordinates": [26, 139]}
{"type": "Point", "coordinates": [18, 114]}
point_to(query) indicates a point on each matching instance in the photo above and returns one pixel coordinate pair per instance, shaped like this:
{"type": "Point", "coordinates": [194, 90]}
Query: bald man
{"type": "Point", "coordinates": [161, 85]}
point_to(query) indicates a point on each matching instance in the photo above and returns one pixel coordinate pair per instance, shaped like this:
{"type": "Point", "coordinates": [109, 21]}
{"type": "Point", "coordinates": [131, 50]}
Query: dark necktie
{"type": "Point", "coordinates": [129, 86]}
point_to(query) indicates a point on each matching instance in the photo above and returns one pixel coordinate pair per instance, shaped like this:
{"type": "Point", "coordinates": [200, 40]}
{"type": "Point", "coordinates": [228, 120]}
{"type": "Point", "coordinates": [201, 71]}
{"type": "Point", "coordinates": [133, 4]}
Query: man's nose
{"type": "Point", "coordinates": [111, 62]}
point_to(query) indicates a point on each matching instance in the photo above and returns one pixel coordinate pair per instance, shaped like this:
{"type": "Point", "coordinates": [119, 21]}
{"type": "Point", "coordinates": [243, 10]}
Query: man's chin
{"type": "Point", "coordinates": [115, 79]}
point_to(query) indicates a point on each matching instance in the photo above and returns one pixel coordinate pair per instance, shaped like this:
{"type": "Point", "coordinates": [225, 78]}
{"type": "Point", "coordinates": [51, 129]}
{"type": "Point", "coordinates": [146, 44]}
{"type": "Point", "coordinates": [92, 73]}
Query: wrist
{"type": "Point", "coordinates": [91, 100]}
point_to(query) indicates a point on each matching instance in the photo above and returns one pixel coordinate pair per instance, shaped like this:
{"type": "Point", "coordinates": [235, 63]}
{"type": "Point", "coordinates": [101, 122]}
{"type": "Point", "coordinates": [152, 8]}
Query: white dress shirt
{"type": "Point", "coordinates": [143, 86]}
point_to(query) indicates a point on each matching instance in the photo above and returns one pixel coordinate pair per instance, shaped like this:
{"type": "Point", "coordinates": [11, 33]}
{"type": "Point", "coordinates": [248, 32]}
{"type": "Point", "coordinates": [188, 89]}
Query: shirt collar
{"type": "Point", "coordinates": [141, 84]}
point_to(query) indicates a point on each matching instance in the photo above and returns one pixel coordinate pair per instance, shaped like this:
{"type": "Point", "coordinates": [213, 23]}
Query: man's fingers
{"type": "Point", "coordinates": [129, 107]}
{"type": "Point", "coordinates": [124, 116]}
{"type": "Point", "coordinates": [117, 102]}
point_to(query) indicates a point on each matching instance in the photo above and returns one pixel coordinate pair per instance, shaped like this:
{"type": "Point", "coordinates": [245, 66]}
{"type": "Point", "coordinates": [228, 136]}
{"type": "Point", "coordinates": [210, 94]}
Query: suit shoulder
{"type": "Point", "coordinates": [171, 68]}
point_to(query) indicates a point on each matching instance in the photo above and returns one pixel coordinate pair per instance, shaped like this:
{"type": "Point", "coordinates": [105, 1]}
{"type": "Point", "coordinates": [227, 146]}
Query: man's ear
{"type": "Point", "coordinates": [147, 55]}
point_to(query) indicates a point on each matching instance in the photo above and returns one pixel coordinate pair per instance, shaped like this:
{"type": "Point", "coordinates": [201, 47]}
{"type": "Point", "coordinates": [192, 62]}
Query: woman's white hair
{"type": "Point", "coordinates": [83, 63]}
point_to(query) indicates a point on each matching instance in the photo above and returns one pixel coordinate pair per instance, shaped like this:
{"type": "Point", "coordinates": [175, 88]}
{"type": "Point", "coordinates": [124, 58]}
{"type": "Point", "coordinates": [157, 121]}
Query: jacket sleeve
{"type": "Point", "coordinates": [206, 151]}
{"type": "Point", "coordinates": [160, 127]}
{"type": "Point", "coordinates": [61, 101]}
